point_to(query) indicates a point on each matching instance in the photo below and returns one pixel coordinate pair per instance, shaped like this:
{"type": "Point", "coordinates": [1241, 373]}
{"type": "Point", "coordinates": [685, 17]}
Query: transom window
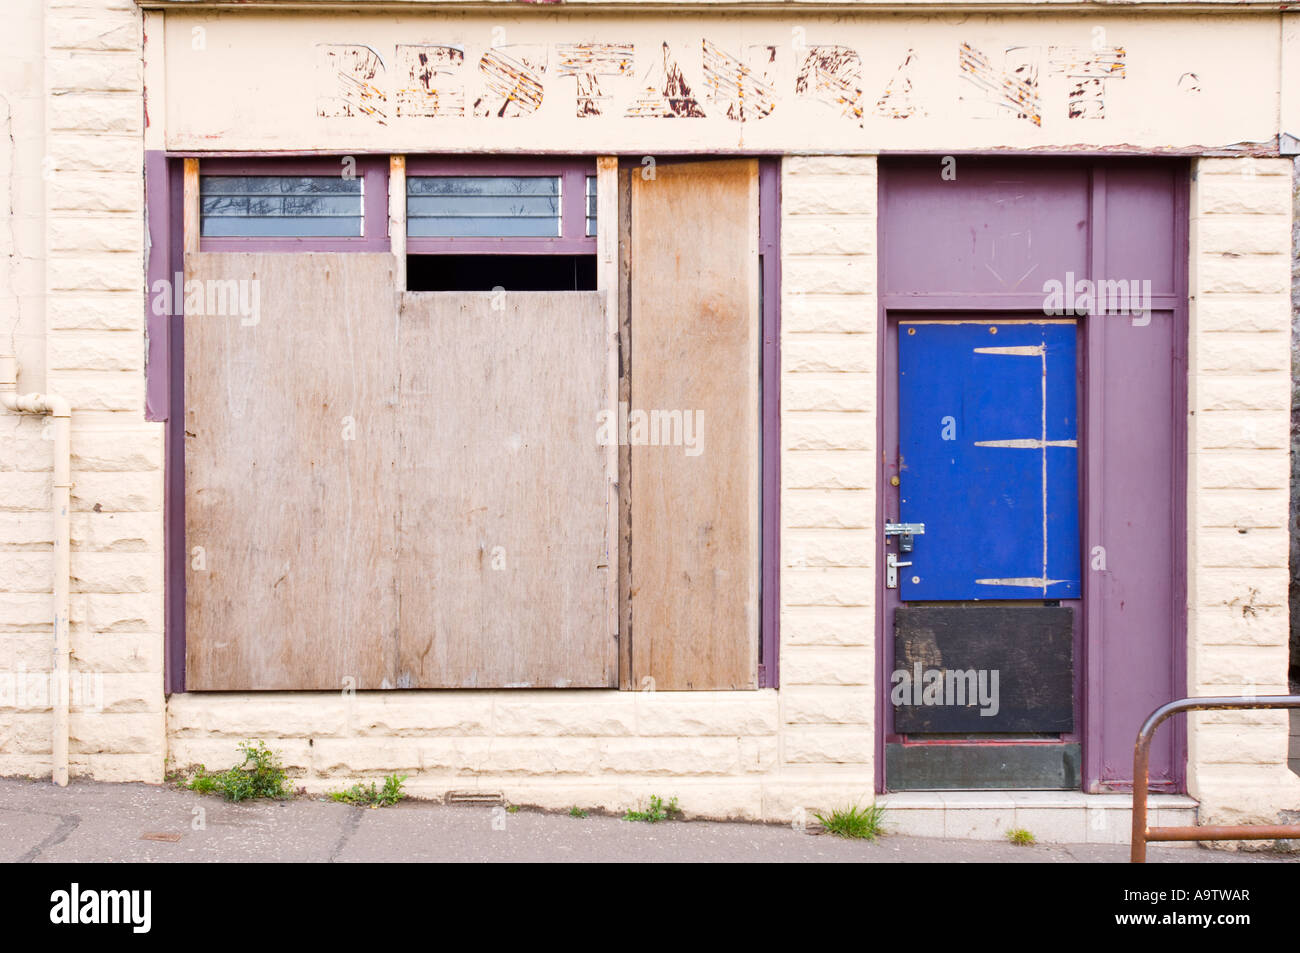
{"type": "Point", "coordinates": [484, 206]}
{"type": "Point", "coordinates": [455, 206]}
{"type": "Point", "coordinates": [281, 206]}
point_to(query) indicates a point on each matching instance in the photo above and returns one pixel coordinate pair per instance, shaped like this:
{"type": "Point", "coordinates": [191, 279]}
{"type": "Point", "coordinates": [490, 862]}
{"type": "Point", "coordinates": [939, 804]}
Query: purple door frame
{"type": "Point", "coordinates": [1079, 213]}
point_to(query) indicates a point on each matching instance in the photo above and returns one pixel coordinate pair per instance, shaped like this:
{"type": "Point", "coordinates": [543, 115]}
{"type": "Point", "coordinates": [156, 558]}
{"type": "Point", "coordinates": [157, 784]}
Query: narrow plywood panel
{"type": "Point", "coordinates": [191, 213]}
{"type": "Point", "coordinates": [505, 491]}
{"type": "Point", "coordinates": [290, 446]}
{"type": "Point", "coordinates": [607, 282]}
{"type": "Point", "coordinates": [695, 330]}
{"type": "Point", "coordinates": [625, 637]}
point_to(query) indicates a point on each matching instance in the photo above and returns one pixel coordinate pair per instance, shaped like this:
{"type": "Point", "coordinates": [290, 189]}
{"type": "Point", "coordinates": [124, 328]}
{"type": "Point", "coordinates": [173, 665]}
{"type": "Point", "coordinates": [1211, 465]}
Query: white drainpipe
{"type": "Point", "coordinates": [58, 408]}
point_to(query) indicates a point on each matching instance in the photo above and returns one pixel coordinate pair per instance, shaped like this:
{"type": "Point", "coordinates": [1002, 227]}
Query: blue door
{"type": "Point", "coordinates": [988, 444]}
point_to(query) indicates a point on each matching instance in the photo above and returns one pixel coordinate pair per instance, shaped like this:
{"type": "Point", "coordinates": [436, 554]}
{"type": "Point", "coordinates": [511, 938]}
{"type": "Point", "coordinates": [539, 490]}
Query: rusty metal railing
{"type": "Point", "coordinates": [1141, 778]}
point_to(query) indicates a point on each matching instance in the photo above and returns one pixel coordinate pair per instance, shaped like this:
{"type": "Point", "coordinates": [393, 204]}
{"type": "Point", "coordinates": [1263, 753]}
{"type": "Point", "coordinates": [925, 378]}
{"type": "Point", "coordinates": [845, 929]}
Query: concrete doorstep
{"type": "Point", "coordinates": [99, 822]}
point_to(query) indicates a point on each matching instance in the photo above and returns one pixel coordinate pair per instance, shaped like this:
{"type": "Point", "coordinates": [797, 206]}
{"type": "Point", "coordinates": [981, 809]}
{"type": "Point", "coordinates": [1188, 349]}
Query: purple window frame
{"type": "Point", "coordinates": [373, 171]}
{"type": "Point", "coordinates": [165, 363]}
{"type": "Point", "coordinates": [572, 172]}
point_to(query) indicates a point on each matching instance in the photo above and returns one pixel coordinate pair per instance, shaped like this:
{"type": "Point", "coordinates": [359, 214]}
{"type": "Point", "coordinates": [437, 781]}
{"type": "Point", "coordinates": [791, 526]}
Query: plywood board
{"type": "Point", "coordinates": [504, 484]}
{"type": "Point", "coordinates": [695, 332]}
{"type": "Point", "coordinates": [191, 213]}
{"type": "Point", "coordinates": [625, 634]}
{"type": "Point", "coordinates": [291, 442]}
{"type": "Point", "coordinates": [607, 282]}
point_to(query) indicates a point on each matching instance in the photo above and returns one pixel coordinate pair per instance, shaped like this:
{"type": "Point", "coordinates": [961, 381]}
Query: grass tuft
{"type": "Point", "coordinates": [1021, 837]}
{"type": "Point", "coordinates": [858, 823]}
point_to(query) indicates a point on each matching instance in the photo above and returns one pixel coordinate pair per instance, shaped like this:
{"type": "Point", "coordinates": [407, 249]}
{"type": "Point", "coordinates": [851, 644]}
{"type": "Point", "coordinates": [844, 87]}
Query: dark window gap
{"type": "Point", "coordinates": [511, 272]}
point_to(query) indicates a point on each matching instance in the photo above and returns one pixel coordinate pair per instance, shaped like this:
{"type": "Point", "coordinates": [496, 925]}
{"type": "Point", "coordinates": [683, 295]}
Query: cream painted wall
{"type": "Point", "coordinates": [72, 308]}
{"type": "Point", "coordinates": [1239, 395]}
{"type": "Point", "coordinates": [251, 81]}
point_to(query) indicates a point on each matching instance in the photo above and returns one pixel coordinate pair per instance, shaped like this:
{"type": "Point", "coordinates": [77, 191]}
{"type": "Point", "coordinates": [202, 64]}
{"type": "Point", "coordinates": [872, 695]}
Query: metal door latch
{"type": "Point", "coordinates": [904, 532]}
{"type": "Point", "coordinates": [891, 570]}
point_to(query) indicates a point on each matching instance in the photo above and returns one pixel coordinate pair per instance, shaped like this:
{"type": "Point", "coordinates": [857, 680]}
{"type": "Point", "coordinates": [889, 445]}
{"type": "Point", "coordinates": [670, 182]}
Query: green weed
{"type": "Point", "coordinates": [372, 795]}
{"type": "Point", "coordinates": [261, 775]}
{"type": "Point", "coordinates": [860, 823]}
{"type": "Point", "coordinates": [656, 812]}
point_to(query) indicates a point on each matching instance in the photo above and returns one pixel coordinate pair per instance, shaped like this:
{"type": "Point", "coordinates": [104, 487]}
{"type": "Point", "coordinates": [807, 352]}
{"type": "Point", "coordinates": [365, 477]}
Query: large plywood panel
{"type": "Point", "coordinates": [290, 447]}
{"type": "Point", "coordinates": [694, 349]}
{"type": "Point", "coordinates": [505, 489]}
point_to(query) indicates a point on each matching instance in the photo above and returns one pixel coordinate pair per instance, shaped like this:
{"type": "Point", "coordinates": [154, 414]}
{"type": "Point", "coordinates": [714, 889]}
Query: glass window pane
{"type": "Point", "coordinates": [591, 205]}
{"type": "Point", "coordinates": [483, 206]}
{"type": "Point", "coordinates": [280, 206]}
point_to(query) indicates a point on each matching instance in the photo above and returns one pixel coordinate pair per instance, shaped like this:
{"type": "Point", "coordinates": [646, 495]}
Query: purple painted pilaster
{"type": "Point", "coordinates": [172, 253]}
{"type": "Point", "coordinates": [158, 269]}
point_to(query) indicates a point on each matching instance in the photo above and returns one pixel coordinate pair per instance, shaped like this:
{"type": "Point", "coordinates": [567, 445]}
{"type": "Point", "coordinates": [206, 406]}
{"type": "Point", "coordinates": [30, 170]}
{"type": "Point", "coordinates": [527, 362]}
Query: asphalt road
{"type": "Point", "coordinates": [136, 823]}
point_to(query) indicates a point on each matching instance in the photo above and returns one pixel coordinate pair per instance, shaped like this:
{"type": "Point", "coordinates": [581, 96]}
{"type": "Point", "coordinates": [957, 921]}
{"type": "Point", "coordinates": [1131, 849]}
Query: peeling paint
{"type": "Point", "coordinates": [429, 81]}
{"type": "Point", "coordinates": [512, 81]}
{"type": "Point", "coordinates": [424, 81]}
{"type": "Point", "coordinates": [1013, 88]}
{"type": "Point", "coordinates": [665, 93]}
{"type": "Point", "coordinates": [745, 91]}
{"type": "Point", "coordinates": [832, 75]}
{"type": "Point", "coordinates": [351, 71]}
{"type": "Point", "coordinates": [1088, 71]}
{"type": "Point", "coordinates": [587, 62]}
{"type": "Point", "coordinates": [897, 102]}
{"type": "Point", "coordinates": [431, 84]}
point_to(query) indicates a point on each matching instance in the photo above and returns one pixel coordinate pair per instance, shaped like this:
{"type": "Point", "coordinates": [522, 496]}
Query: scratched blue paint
{"type": "Point", "coordinates": [990, 512]}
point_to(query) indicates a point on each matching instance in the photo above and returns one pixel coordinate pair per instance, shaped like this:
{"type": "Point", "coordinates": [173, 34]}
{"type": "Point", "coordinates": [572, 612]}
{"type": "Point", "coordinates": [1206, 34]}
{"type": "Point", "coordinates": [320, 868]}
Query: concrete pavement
{"type": "Point", "coordinates": [99, 822]}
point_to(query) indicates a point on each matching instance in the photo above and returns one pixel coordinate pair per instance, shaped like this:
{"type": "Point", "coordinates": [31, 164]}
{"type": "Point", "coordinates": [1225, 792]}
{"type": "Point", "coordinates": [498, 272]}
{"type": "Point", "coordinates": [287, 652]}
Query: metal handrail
{"type": "Point", "coordinates": [1142, 773]}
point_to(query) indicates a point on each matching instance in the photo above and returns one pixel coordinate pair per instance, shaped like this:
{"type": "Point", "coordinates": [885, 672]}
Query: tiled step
{"type": "Point", "coordinates": [1053, 817]}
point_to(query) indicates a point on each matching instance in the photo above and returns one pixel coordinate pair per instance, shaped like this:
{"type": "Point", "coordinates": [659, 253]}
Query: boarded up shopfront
{"type": "Point", "coordinates": [437, 509]}
{"type": "Point", "coordinates": [535, 383]}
